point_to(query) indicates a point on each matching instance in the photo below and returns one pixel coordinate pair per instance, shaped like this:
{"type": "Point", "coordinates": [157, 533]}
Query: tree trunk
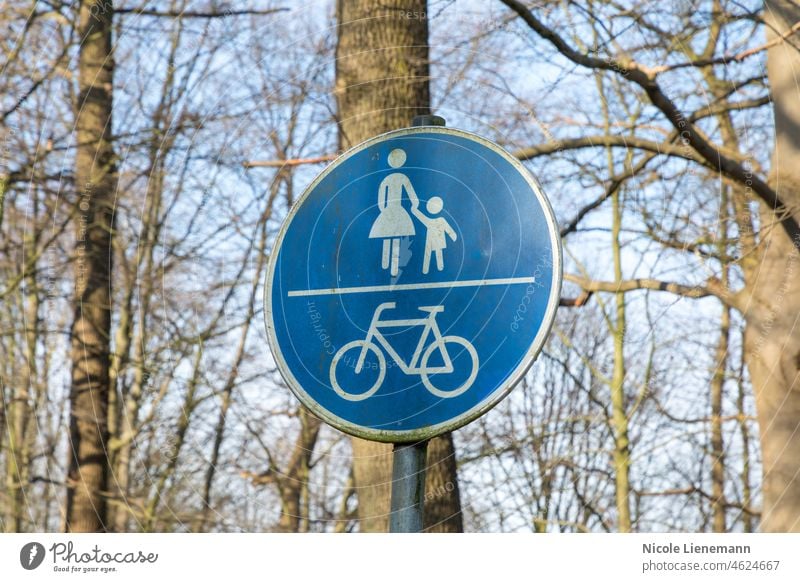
{"type": "Point", "coordinates": [619, 413]}
{"type": "Point", "coordinates": [718, 502]}
{"type": "Point", "coordinates": [734, 204]}
{"type": "Point", "coordinates": [744, 432]}
{"type": "Point", "coordinates": [382, 76]}
{"type": "Point", "coordinates": [442, 513]}
{"type": "Point", "coordinates": [773, 293]}
{"type": "Point", "coordinates": [293, 482]}
{"type": "Point", "coordinates": [95, 178]}
{"type": "Point", "coordinates": [382, 82]}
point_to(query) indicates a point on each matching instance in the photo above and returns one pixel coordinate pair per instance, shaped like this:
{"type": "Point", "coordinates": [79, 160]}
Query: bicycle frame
{"type": "Point", "coordinates": [430, 326]}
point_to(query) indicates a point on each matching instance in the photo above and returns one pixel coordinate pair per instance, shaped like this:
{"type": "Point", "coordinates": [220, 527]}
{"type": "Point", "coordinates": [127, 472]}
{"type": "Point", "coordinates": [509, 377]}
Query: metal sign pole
{"type": "Point", "coordinates": [408, 487]}
{"type": "Point", "coordinates": [408, 460]}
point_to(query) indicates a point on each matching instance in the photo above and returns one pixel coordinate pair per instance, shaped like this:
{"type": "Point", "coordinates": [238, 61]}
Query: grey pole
{"type": "Point", "coordinates": [408, 460]}
{"type": "Point", "coordinates": [421, 120]}
{"type": "Point", "coordinates": [408, 487]}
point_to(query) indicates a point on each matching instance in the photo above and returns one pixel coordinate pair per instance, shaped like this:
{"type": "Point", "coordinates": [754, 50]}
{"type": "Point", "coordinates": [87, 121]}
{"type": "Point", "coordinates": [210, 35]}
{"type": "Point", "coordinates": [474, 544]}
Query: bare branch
{"type": "Point", "coordinates": [289, 162]}
{"type": "Point", "coordinates": [578, 301]}
{"type": "Point", "coordinates": [726, 59]}
{"type": "Point", "coordinates": [692, 490]}
{"type": "Point", "coordinates": [194, 13]}
{"type": "Point", "coordinates": [712, 288]}
{"type": "Point", "coordinates": [614, 141]}
{"type": "Point", "coordinates": [725, 106]}
{"type": "Point", "coordinates": [613, 186]}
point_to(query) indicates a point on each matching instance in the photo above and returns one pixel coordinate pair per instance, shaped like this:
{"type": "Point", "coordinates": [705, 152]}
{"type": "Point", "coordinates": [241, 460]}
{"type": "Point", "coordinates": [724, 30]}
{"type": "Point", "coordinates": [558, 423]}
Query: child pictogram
{"type": "Point", "coordinates": [437, 231]}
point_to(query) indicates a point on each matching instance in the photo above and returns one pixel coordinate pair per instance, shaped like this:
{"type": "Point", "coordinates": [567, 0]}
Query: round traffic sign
{"type": "Point", "coordinates": [413, 284]}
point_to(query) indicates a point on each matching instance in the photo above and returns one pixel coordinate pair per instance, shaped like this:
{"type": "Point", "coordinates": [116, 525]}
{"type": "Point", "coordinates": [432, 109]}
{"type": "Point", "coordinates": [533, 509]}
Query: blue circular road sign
{"type": "Point", "coordinates": [413, 284]}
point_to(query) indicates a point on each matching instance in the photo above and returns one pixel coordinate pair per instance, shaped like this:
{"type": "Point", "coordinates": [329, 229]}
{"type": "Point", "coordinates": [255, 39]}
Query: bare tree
{"type": "Point", "coordinates": [95, 178]}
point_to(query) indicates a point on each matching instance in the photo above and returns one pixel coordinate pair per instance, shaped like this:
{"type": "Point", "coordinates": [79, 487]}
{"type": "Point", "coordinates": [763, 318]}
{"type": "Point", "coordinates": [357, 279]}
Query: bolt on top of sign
{"type": "Point", "coordinates": [413, 284]}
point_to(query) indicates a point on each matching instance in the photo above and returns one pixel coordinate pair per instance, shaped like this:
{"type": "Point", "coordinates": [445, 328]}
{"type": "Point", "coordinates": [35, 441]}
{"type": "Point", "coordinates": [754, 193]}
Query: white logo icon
{"type": "Point", "coordinates": [394, 221]}
{"type": "Point", "coordinates": [419, 364]}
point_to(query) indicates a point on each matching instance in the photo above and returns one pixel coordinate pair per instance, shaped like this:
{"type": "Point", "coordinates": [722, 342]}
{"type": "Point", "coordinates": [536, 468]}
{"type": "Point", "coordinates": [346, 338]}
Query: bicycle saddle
{"type": "Point", "coordinates": [432, 308]}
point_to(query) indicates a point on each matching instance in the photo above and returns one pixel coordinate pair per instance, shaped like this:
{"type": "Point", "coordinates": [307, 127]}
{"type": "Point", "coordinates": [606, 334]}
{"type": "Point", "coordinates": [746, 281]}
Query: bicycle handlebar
{"type": "Point", "coordinates": [383, 306]}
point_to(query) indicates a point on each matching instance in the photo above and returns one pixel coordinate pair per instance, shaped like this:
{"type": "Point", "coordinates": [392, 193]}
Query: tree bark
{"type": "Point", "coordinates": [382, 82]}
{"type": "Point", "coordinates": [293, 483]}
{"type": "Point", "coordinates": [619, 413]}
{"type": "Point", "coordinates": [442, 509]}
{"type": "Point", "coordinates": [772, 336]}
{"type": "Point", "coordinates": [718, 503]}
{"type": "Point", "coordinates": [382, 71]}
{"type": "Point", "coordinates": [95, 177]}
{"type": "Point", "coordinates": [744, 432]}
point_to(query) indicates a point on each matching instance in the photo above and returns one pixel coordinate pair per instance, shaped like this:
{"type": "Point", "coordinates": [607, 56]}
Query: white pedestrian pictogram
{"type": "Point", "coordinates": [394, 221]}
{"type": "Point", "coordinates": [419, 363]}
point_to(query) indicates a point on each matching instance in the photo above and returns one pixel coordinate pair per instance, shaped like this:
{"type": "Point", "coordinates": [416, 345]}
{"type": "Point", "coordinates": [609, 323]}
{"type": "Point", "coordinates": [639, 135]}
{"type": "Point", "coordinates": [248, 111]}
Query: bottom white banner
{"type": "Point", "coordinates": [381, 557]}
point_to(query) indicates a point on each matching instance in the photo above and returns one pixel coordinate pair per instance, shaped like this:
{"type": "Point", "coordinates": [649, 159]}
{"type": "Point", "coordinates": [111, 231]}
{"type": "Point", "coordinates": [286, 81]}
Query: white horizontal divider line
{"type": "Point", "coordinates": [412, 286]}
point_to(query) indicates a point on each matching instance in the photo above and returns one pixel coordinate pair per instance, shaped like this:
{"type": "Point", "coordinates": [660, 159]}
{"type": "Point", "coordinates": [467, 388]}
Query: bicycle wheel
{"type": "Point", "coordinates": [358, 345]}
{"type": "Point", "coordinates": [449, 339]}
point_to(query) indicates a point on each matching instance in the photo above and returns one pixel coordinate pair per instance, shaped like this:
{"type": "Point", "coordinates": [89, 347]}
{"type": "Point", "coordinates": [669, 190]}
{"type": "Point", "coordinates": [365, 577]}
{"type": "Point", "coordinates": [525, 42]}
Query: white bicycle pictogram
{"type": "Point", "coordinates": [419, 360]}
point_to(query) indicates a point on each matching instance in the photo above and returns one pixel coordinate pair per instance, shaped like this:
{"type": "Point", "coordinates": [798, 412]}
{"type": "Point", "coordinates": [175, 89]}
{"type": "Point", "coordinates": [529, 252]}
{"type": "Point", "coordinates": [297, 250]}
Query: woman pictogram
{"type": "Point", "coordinates": [394, 221]}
